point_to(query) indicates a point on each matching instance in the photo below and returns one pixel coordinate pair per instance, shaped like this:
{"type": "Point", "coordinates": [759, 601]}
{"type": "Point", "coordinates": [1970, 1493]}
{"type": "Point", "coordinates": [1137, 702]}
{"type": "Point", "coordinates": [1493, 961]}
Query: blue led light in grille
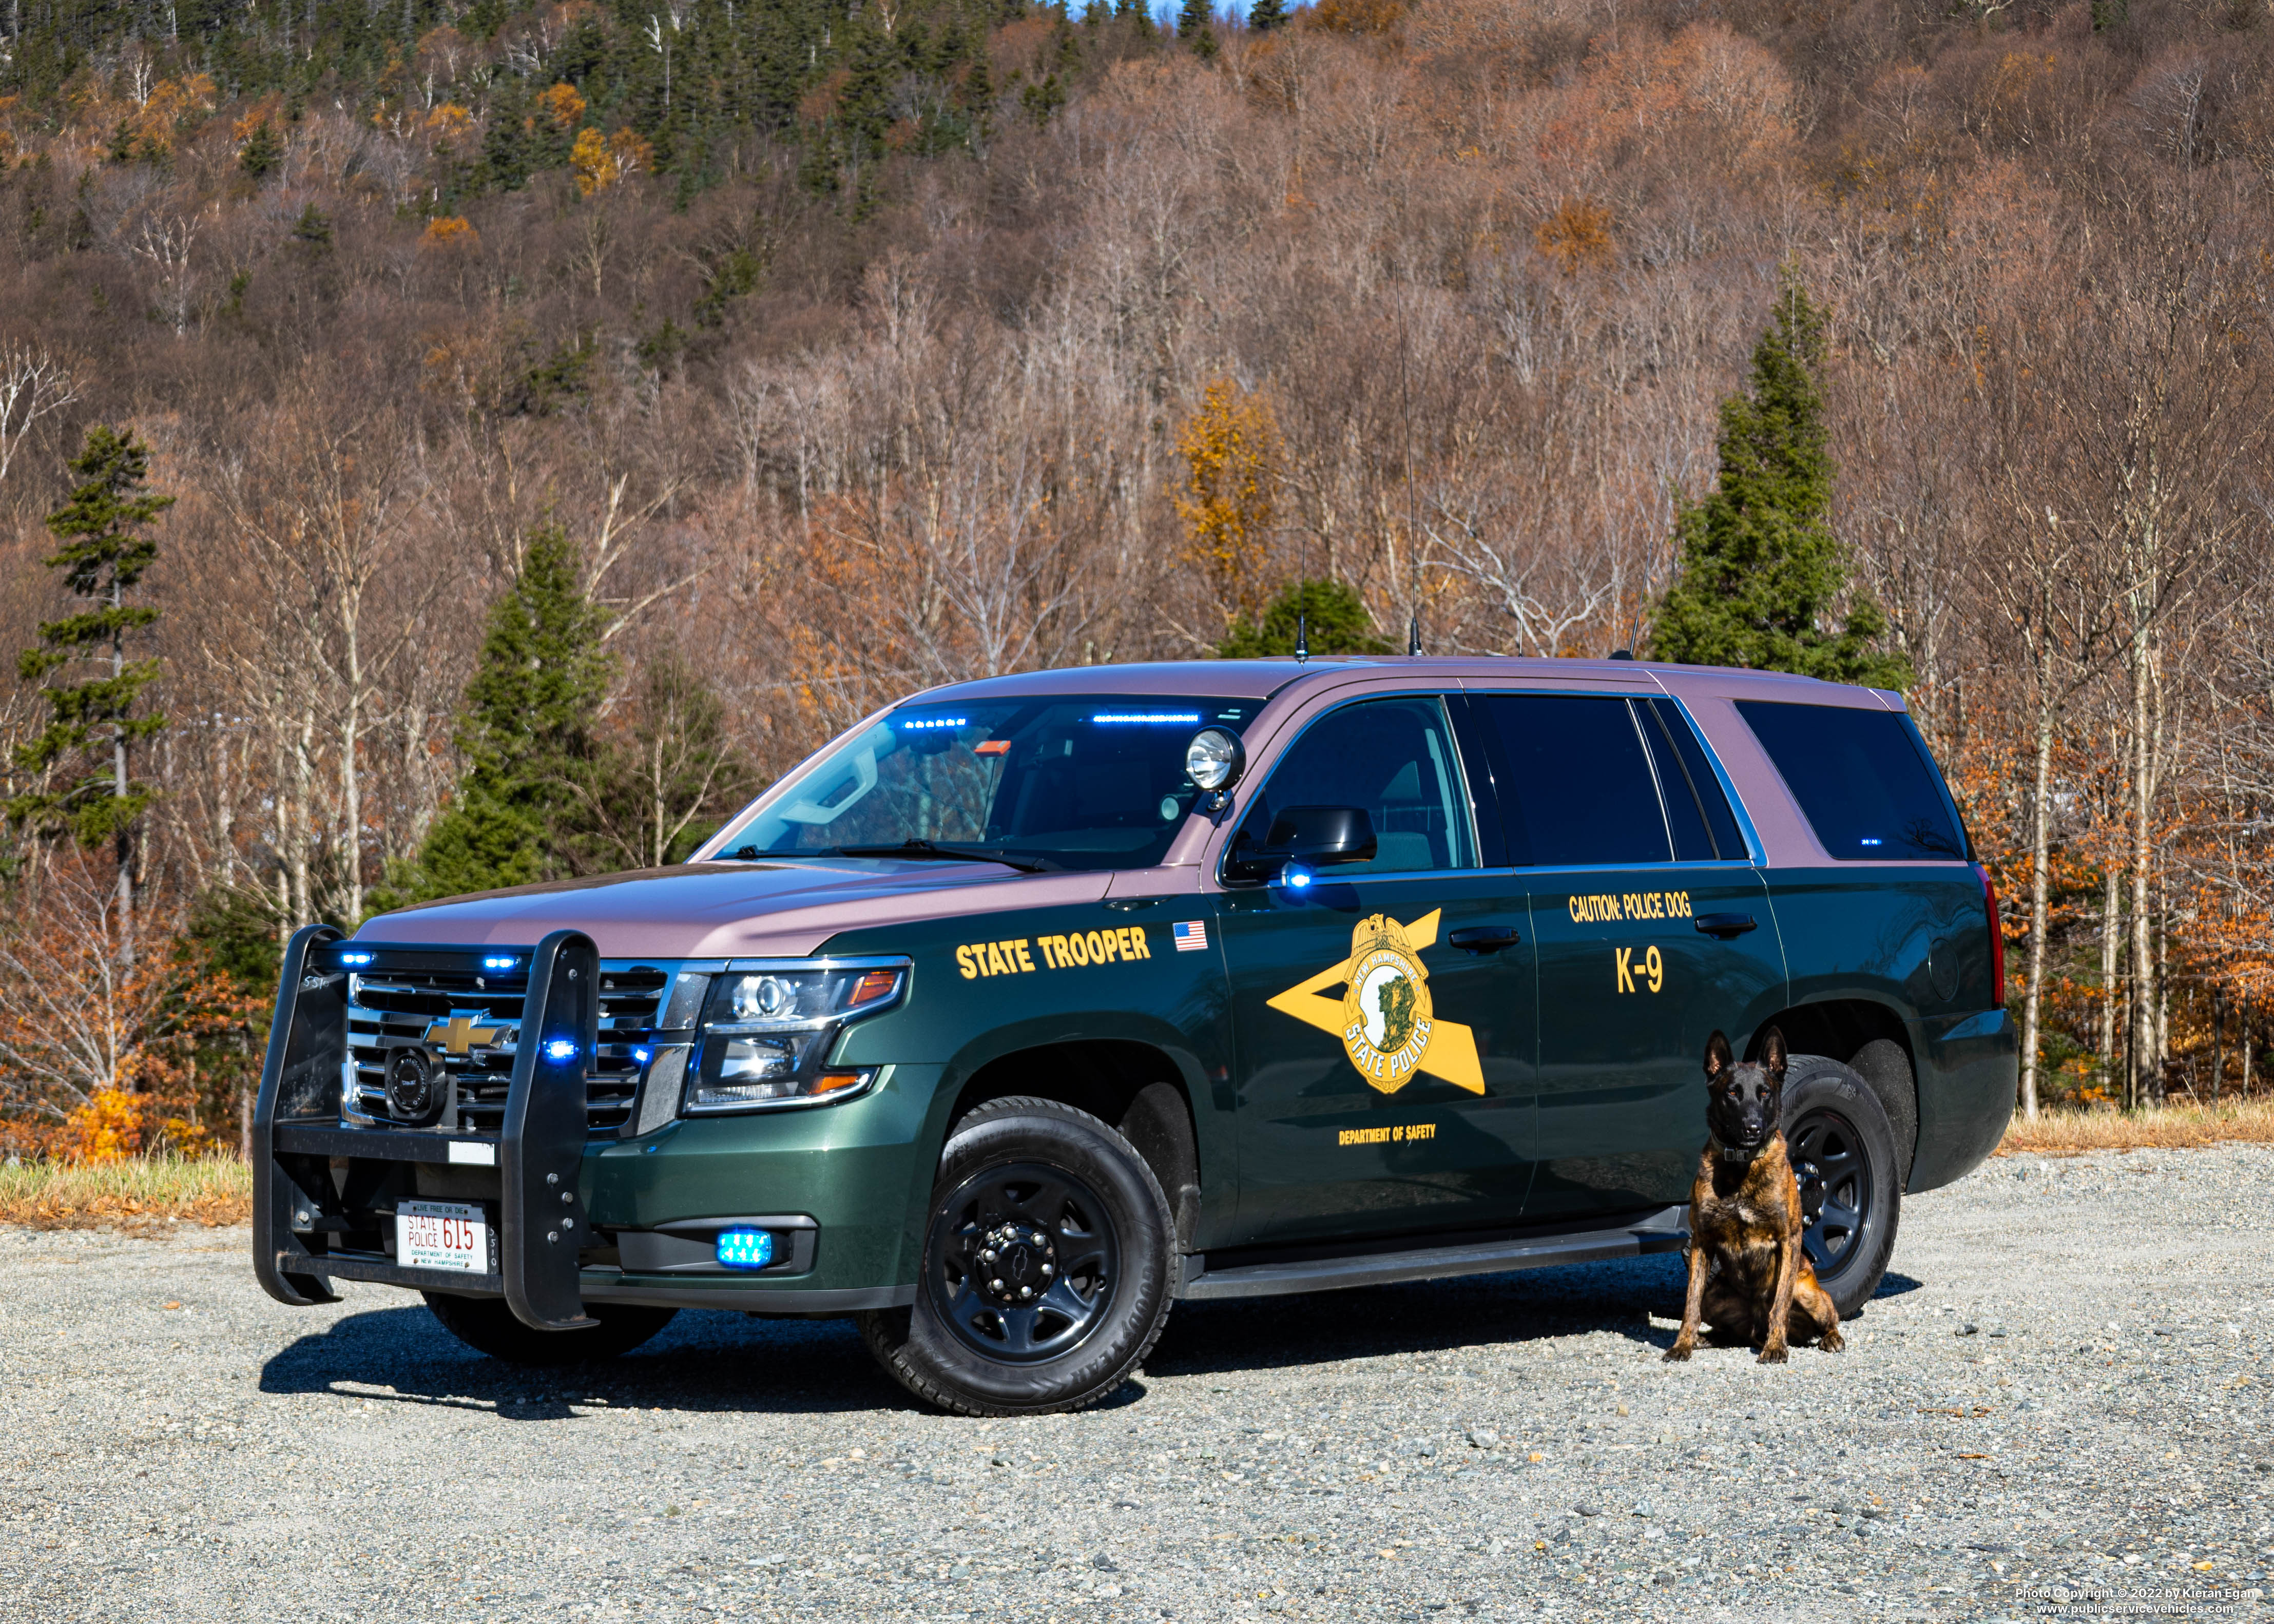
{"type": "Point", "coordinates": [356, 959]}
{"type": "Point", "coordinates": [746, 1249]}
{"type": "Point", "coordinates": [498, 963]}
{"type": "Point", "coordinates": [560, 1049]}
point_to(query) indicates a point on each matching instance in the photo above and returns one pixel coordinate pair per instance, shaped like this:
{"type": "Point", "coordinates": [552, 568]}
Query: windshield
{"type": "Point", "coordinates": [1045, 783]}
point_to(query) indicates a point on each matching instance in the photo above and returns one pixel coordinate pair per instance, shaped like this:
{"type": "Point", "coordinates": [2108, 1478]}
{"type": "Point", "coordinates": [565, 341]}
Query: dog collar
{"type": "Point", "coordinates": [1730, 1153]}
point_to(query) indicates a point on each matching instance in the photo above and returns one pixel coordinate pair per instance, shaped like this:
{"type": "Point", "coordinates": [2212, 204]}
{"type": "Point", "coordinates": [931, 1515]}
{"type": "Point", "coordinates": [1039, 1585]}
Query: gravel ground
{"type": "Point", "coordinates": [2063, 1383]}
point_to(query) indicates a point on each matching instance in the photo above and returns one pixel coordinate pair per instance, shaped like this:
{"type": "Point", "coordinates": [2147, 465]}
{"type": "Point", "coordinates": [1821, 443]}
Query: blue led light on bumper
{"type": "Point", "coordinates": [560, 1049]}
{"type": "Point", "coordinates": [498, 963]}
{"type": "Point", "coordinates": [746, 1249]}
{"type": "Point", "coordinates": [356, 960]}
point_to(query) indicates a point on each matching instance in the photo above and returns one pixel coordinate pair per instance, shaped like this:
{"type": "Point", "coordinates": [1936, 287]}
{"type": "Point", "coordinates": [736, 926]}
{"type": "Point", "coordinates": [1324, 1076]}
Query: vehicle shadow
{"type": "Point", "coordinates": [700, 1363]}
{"type": "Point", "coordinates": [1622, 1297]}
{"type": "Point", "coordinates": [718, 1363]}
{"type": "Point", "coordinates": [1327, 1328]}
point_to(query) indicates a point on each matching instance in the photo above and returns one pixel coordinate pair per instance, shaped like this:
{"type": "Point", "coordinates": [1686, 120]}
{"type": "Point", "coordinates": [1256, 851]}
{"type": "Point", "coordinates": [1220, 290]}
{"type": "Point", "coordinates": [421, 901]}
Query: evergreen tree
{"type": "Point", "coordinates": [1759, 566]}
{"type": "Point", "coordinates": [527, 735]}
{"type": "Point", "coordinates": [93, 729]}
{"type": "Point", "coordinates": [658, 788]}
{"type": "Point", "coordinates": [1265, 15]}
{"type": "Point", "coordinates": [262, 152]}
{"type": "Point", "coordinates": [1332, 616]}
{"type": "Point", "coordinates": [1194, 18]}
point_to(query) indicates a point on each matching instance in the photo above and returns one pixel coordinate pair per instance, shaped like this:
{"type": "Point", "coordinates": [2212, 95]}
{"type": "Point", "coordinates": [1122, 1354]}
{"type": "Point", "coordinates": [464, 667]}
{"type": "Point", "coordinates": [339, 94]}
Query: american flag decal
{"type": "Point", "coordinates": [1191, 936]}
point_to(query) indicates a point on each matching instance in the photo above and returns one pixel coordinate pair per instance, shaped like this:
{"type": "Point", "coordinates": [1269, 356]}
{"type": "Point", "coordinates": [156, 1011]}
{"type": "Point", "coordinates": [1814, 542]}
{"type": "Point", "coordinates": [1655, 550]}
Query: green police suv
{"type": "Point", "coordinates": [1033, 1004]}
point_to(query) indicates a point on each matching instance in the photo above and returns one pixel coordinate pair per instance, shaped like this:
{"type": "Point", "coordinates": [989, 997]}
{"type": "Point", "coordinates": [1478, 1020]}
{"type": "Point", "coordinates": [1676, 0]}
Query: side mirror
{"type": "Point", "coordinates": [1306, 837]}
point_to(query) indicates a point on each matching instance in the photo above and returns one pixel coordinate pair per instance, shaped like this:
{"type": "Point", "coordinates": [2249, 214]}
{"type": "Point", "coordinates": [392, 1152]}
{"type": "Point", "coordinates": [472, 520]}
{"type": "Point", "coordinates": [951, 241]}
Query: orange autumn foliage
{"type": "Point", "coordinates": [599, 164]}
{"type": "Point", "coordinates": [1230, 446]}
{"type": "Point", "coordinates": [563, 106]}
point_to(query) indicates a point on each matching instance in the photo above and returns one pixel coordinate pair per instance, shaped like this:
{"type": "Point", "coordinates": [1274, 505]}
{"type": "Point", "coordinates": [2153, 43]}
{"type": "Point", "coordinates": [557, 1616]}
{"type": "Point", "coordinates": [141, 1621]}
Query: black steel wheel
{"type": "Point", "coordinates": [1046, 1273]}
{"type": "Point", "coordinates": [1021, 1262]}
{"type": "Point", "coordinates": [1842, 1152]}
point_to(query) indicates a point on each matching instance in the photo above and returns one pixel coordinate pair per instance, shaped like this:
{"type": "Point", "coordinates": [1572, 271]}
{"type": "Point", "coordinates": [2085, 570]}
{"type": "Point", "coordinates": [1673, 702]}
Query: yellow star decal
{"type": "Point", "coordinates": [1384, 1018]}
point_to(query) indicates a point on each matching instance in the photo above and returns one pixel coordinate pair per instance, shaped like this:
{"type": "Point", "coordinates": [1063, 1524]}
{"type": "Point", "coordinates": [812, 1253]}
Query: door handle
{"type": "Point", "coordinates": [1724, 925]}
{"type": "Point", "coordinates": [1484, 938]}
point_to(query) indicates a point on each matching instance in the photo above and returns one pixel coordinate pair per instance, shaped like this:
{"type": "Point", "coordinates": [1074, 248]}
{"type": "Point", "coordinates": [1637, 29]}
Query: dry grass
{"type": "Point", "coordinates": [138, 1193]}
{"type": "Point", "coordinates": [2174, 1127]}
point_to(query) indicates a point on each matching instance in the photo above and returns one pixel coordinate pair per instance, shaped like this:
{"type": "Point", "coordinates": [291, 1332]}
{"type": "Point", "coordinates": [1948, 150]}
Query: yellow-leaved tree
{"type": "Point", "coordinates": [1231, 447]}
{"type": "Point", "coordinates": [599, 164]}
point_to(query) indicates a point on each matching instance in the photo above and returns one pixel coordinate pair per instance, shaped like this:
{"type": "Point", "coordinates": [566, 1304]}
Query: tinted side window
{"type": "Point", "coordinates": [1685, 819]}
{"type": "Point", "coordinates": [1698, 772]}
{"type": "Point", "coordinates": [1393, 757]}
{"type": "Point", "coordinates": [1579, 787]}
{"type": "Point", "coordinates": [1863, 779]}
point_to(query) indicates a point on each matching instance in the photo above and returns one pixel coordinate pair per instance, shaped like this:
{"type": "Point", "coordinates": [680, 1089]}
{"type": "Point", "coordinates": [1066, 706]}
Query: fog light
{"type": "Point", "coordinates": [746, 1249]}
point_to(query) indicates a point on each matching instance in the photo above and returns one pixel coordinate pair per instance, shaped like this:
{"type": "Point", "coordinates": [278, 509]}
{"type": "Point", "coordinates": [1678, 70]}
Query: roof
{"type": "Point", "coordinates": [1260, 679]}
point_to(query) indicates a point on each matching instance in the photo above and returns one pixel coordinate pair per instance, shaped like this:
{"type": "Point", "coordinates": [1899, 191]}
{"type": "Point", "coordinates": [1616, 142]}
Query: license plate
{"type": "Point", "coordinates": [442, 1235]}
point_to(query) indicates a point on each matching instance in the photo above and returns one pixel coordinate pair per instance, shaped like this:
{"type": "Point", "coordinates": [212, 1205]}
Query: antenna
{"type": "Point", "coordinates": [1413, 634]}
{"type": "Point", "coordinates": [1302, 637]}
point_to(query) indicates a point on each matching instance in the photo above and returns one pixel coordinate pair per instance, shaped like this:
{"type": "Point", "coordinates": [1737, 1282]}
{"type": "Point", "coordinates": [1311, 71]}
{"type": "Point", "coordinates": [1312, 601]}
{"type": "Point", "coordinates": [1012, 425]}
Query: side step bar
{"type": "Point", "coordinates": [1662, 1231]}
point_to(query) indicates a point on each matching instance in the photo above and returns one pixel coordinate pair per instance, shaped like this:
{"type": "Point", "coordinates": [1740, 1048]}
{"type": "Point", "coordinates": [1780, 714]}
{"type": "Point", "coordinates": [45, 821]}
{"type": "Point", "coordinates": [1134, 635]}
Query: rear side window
{"type": "Point", "coordinates": [1692, 772]}
{"type": "Point", "coordinates": [1862, 778]}
{"type": "Point", "coordinates": [1578, 788]}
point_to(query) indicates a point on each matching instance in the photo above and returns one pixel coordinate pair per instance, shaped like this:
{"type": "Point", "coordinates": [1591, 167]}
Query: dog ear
{"type": "Point", "coordinates": [1773, 1056]}
{"type": "Point", "coordinates": [1718, 1057]}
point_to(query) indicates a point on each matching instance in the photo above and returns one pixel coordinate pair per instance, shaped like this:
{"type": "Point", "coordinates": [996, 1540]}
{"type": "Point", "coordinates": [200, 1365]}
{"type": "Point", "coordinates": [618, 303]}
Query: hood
{"type": "Point", "coordinates": [736, 910]}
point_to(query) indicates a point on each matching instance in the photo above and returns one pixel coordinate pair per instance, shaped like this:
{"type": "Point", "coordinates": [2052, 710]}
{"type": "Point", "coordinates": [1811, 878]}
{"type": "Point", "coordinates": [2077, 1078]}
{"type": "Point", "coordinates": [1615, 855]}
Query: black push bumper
{"type": "Point", "coordinates": [321, 1188]}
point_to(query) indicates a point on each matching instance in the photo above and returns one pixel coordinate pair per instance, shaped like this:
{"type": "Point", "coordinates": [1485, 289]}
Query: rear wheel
{"type": "Point", "coordinates": [1842, 1151]}
{"type": "Point", "coordinates": [1046, 1273]}
{"type": "Point", "coordinates": [487, 1326]}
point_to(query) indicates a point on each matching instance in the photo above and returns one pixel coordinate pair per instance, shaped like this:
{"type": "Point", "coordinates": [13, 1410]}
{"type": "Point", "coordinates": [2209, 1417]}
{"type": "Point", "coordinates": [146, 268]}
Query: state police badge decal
{"type": "Point", "coordinates": [1386, 1014]}
{"type": "Point", "coordinates": [1385, 1019]}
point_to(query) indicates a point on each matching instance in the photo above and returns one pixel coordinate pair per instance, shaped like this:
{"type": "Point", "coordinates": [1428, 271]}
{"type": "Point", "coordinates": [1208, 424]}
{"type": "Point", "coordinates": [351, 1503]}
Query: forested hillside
{"type": "Point", "coordinates": [774, 359]}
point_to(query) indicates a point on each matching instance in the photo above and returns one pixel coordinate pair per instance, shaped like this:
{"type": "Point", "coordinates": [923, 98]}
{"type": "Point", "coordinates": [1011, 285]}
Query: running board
{"type": "Point", "coordinates": [1655, 1232]}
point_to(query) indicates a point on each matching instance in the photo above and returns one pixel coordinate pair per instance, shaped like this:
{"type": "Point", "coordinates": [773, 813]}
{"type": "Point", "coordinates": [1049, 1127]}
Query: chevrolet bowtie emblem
{"type": "Point", "coordinates": [461, 1033]}
{"type": "Point", "coordinates": [1384, 1017]}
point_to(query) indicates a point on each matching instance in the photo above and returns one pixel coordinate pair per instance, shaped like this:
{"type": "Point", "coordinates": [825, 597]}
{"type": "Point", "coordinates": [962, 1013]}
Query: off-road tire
{"type": "Point", "coordinates": [1822, 1091]}
{"type": "Point", "coordinates": [921, 1351]}
{"type": "Point", "coordinates": [487, 1326]}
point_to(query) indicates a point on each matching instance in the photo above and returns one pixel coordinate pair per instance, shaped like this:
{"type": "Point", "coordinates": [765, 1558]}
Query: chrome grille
{"type": "Point", "coordinates": [391, 1008]}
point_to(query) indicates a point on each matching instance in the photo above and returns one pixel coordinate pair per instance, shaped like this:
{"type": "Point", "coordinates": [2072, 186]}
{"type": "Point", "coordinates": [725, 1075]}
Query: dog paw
{"type": "Point", "coordinates": [1679, 1352]}
{"type": "Point", "coordinates": [1832, 1342]}
{"type": "Point", "coordinates": [1771, 1356]}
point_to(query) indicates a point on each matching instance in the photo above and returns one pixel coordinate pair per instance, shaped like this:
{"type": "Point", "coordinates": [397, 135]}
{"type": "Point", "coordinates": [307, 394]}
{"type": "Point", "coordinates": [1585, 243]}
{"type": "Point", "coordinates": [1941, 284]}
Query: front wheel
{"type": "Point", "coordinates": [487, 1326]}
{"type": "Point", "coordinates": [1046, 1273]}
{"type": "Point", "coordinates": [1842, 1151]}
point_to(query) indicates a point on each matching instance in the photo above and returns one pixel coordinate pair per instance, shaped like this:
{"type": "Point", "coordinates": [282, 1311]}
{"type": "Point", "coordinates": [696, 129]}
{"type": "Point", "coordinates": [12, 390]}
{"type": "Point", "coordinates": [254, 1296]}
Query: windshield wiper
{"type": "Point", "coordinates": [927, 851]}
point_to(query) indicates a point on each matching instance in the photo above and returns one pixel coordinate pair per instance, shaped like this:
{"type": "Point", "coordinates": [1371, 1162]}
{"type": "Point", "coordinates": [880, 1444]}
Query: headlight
{"type": "Point", "coordinates": [767, 1033]}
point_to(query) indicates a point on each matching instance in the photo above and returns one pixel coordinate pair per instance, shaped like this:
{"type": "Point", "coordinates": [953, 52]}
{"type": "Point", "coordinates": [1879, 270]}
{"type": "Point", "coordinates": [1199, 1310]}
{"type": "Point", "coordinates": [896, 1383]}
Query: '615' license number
{"type": "Point", "coordinates": [442, 1235]}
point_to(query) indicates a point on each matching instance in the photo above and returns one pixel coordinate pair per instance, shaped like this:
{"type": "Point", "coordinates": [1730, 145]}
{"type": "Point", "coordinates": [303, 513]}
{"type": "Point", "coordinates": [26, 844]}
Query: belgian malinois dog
{"type": "Point", "coordinates": [1749, 1277]}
